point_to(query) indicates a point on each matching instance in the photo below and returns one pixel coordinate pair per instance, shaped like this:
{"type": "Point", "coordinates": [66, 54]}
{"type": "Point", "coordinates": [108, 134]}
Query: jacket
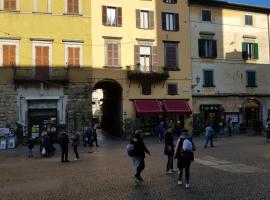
{"type": "Point", "coordinates": [139, 148]}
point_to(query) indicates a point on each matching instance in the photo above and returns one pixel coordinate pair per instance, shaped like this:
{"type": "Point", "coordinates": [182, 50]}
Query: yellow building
{"type": "Point", "coordinates": [230, 61]}
{"type": "Point", "coordinates": [56, 53]}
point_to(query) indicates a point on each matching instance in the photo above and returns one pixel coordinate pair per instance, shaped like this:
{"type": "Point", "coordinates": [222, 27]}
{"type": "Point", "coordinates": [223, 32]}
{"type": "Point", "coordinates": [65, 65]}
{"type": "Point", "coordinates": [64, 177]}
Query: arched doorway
{"type": "Point", "coordinates": [111, 108]}
{"type": "Point", "coordinates": [252, 112]}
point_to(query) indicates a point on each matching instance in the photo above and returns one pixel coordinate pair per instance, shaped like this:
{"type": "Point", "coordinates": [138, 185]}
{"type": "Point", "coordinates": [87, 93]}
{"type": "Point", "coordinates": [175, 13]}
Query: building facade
{"type": "Point", "coordinates": [230, 62]}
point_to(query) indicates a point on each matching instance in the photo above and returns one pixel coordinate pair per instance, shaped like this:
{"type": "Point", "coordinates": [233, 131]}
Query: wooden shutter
{"type": "Point", "coordinates": [109, 54]}
{"type": "Point", "coordinates": [104, 15]}
{"type": "Point", "coordinates": [151, 20]}
{"type": "Point", "coordinates": [70, 6]}
{"type": "Point", "coordinates": [70, 56]}
{"type": "Point", "coordinates": [154, 59]}
{"type": "Point", "coordinates": [77, 57]}
{"type": "Point", "coordinates": [9, 55]}
{"type": "Point", "coordinates": [115, 55]}
{"type": "Point", "coordinates": [42, 56]}
{"type": "Point", "coordinates": [214, 48]}
{"type": "Point", "coordinates": [38, 56]}
{"type": "Point", "coordinates": [171, 56]}
{"type": "Point", "coordinates": [76, 6]}
{"type": "Point", "coordinates": [163, 19]}
{"type": "Point", "coordinates": [136, 56]}
{"type": "Point", "coordinates": [176, 22]}
{"type": "Point", "coordinates": [73, 56]}
{"type": "Point", "coordinates": [138, 18]}
{"type": "Point", "coordinates": [119, 16]}
{"type": "Point", "coordinates": [10, 4]}
{"type": "Point", "coordinates": [244, 50]}
{"type": "Point", "coordinates": [256, 51]}
{"type": "Point", "coordinates": [201, 48]}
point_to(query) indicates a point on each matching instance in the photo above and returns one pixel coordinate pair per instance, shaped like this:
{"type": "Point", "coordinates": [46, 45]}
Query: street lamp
{"type": "Point", "coordinates": [197, 79]}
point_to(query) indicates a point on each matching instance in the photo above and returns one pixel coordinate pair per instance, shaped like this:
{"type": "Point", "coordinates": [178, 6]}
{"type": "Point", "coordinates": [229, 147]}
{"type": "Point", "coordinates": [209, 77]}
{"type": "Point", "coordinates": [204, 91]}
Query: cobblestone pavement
{"type": "Point", "coordinates": [236, 168]}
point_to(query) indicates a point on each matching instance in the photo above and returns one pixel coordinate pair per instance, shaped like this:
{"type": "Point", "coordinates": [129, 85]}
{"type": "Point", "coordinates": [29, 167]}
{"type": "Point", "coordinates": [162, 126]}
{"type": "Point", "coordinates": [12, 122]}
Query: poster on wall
{"type": "Point", "coordinates": [233, 116]}
{"type": "Point", "coordinates": [3, 143]}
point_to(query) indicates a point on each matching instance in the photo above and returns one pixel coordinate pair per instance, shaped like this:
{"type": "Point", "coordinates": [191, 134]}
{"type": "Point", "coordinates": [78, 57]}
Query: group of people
{"type": "Point", "coordinates": [47, 149]}
{"type": "Point", "coordinates": [182, 151]}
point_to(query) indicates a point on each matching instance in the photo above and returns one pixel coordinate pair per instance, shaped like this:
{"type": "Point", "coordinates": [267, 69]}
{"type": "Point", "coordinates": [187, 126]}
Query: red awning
{"type": "Point", "coordinates": [147, 106]}
{"type": "Point", "coordinates": [176, 106]}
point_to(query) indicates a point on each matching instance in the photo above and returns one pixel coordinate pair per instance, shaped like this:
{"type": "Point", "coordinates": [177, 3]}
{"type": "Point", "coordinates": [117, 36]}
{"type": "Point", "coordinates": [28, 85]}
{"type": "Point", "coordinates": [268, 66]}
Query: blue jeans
{"type": "Point", "coordinates": [207, 138]}
{"type": "Point", "coordinates": [30, 153]}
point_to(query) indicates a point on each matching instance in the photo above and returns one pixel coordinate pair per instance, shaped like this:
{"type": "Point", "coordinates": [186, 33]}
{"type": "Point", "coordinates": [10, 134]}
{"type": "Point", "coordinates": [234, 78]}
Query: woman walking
{"type": "Point", "coordinates": [184, 155]}
{"type": "Point", "coordinates": [75, 144]}
{"type": "Point", "coordinates": [169, 150]}
{"type": "Point", "coordinates": [138, 155]}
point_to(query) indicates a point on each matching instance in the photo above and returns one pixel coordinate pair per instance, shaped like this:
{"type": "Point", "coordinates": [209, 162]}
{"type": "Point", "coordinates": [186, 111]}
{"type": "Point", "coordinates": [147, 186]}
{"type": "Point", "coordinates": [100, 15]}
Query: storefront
{"type": "Point", "coordinates": [212, 115]}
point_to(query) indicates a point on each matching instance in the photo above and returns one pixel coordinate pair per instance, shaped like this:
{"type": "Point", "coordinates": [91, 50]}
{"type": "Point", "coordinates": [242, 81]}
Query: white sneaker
{"type": "Point", "coordinates": [187, 185]}
{"type": "Point", "coordinates": [170, 171]}
{"type": "Point", "coordinates": [179, 182]}
{"type": "Point", "coordinates": [76, 159]}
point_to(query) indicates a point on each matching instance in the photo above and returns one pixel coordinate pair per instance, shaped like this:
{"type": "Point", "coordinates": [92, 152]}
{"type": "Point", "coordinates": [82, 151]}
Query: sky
{"type": "Point", "coordinates": [253, 2]}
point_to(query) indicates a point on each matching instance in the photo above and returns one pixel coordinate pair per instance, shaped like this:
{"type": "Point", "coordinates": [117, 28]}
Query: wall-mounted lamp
{"type": "Point", "coordinates": [197, 79]}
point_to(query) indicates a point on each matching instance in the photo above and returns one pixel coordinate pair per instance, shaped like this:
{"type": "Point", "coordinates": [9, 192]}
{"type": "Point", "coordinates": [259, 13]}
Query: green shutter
{"type": "Point", "coordinates": [201, 48]}
{"type": "Point", "coordinates": [256, 51]}
{"type": "Point", "coordinates": [244, 50]}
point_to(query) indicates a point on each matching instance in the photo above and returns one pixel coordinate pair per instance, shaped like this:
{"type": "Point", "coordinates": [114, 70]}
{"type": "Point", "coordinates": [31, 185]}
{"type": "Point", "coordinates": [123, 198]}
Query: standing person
{"type": "Point", "coordinates": [178, 129]}
{"type": "Point", "coordinates": [169, 150]}
{"type": "Point", "coordinates": [89, 136]}
{"type": "Point", "coordinates": [184, 154]}
{"type": "Point", "coordinates": [161, 130]}
{"type": "Point", "coordinates": [229, 125]}
{"type": "Point", "coordinates": [75, 144]}
{"type": "Point", "coordinates": [267, 129]}
{"type": "Point", "coordinates": [64, 141]}
{"type": "Point", "coordinates": [139, 155]}
{"type": "Point", "coordinates": [209, 135]}
{"type": "Point", "coordinates": [30, 143]}
{"type": "Point", "coordinates": [95, 134]}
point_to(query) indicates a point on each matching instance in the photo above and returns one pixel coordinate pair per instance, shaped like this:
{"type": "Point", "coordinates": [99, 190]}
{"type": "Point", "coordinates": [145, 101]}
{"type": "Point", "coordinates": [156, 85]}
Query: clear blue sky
{"type": "Point", "coordinates": [253, 2]}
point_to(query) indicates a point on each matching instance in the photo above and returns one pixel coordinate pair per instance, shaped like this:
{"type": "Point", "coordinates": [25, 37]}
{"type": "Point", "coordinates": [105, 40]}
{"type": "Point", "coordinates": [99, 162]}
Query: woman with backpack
{"type": "Point", "coordinates": [169, 150]}
{"type": "Point", "coordinates": [184, 154]}
{"type": "Point", "coordinates": [138, 154]}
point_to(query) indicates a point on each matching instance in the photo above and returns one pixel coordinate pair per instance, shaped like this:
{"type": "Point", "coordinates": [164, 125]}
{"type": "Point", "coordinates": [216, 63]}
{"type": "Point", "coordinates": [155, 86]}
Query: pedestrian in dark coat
{"type": "Point", "coordinates": [30, 143]}
{"type": "Point", "coordinates": [75, 144]}
{"type": "Point", "coordinates": [95, 134]}
{"type": "Point", "coordinates": [139, 155]}
{"type": "Point", "coordinates": [169, 150]}
{"type": "Point", "coordinates": [64, 141]}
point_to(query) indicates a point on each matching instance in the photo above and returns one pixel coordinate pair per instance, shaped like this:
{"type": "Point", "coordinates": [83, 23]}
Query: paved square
{"type": "Point", "coordinates": [237, 168]}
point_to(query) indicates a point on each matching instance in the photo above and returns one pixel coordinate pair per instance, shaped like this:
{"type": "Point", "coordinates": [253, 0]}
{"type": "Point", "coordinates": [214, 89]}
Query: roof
{"type": "Point", "coordinates": [229, 5]}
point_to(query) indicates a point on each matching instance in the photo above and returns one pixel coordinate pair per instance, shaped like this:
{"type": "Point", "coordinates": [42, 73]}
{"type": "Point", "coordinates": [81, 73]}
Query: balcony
{"type": "Point", "coordinates": [147, 73]}
{"type": "Point", "coordinates": [40, 74]}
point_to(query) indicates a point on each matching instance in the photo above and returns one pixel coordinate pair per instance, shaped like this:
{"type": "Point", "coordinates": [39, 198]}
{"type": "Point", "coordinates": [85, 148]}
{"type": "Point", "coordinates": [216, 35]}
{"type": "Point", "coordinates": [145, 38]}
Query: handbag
{"type": "Point", "coordinates": [43, 152]}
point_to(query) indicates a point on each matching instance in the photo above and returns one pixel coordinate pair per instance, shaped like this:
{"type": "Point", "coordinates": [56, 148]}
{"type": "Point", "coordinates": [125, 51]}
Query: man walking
{"type": "Point", "coordinates": [64, 141]}
{"type": "Point", "coordinates": [209, 135]}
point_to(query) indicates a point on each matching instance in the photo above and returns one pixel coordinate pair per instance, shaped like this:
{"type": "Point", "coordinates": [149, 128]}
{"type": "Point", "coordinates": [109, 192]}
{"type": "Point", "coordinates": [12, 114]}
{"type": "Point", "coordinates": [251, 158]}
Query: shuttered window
{"type": "Point", "coordinates": [249, 20]}
{"type": "Point", "coordinates": [73, 6]}
{"type": "Point", "coordinates": [206, 15]}
{"type": "Point", "coordinates": [171, 58]}
{"type": "Point", "coordinates": [170, 21]}
{"type": "Point", "coordinates": [172, 89]}
{"type": "Point", "coordinates": [145, 58]}
{"type": "Point", "coordinates": [42, 56]}
{"type": "Point", "coordinates": [208, 76]}
{"type": "Point", "coordinates": [111, 16]}
{"type": "Point", "coordinates": [250, 51]}
{"type": "Point", "coordinates": [144, 19]}
{"type": "Point", "coordinates": [9, 55]}
{"type": "Point", "coordinates": [251, 78]}
{"type": "Point", "coordinates": [113, 55]}
{"type": "Point", "coordinates": [207, 48]}
{"type": "Point", "coordinates": [9, 4]}
{"type": "Point", "coordinates": [73, 57]}
{"type": "Point", "coordinates": [146, 88]}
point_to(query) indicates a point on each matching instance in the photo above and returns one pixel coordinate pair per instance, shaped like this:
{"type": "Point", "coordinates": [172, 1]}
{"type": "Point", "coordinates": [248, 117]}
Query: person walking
{"type": "Point", "coordinates": [95, 134]}
{"type": "Point", "coordinates": [161, 130]}
{"type": "Point", "coordinates": [64, 141]}
{"type": "Point", "coordinates": [138, 155]}
{"type": "Point", "coordinates": [209, 135]}
{"type": "Point", "coordinates": [75, 144]}
{"type": "Point", "coordinates": [30, 143]}
{"type": "Point", "coordinates": [229, 125]}
{"type": "Point", "coordinates": [184, 155]}
{"type": "Point", "coordinates": [169, 150]}
{"type": "Point", "coordinates": [267, 129]}
{"type": "Point", "coordinates": [89, 136]}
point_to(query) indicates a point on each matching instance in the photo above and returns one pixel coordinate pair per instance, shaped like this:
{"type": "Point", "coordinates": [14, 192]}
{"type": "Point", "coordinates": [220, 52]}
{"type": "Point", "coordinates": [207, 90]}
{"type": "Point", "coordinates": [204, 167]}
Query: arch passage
{"type": "Point", "coordinates": [111, 120]}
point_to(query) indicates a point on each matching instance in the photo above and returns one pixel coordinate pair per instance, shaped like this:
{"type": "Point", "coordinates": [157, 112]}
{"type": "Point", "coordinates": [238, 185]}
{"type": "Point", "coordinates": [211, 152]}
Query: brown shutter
{"type": "Point", "coordinates": [5, 55]}
{"type": "Point", "coordinates": [119, 16]}
{"type": "Point", "coordinates": [154, 59]}
{"type": "Point", "coordinates": [115, 55]}
{"type": "Point", "coordinates": [151, 20]}
{"type": "Point", "coordinates": [38, 56]}
{"type": "Point", "coordinates": [70, 6]}
{"type": "Point", "coordinates": [177, 22]}
{"type": "Point", "coordinates": [163, 19]}
{"type": "Point", "coordinates": [12, 54]}
{"type": "Point", "coordinates": [109, 54]}
{"type": "Point", "coordinates": [45, 56]}
{"type": "Point", "coordinates": [70, 56]}
{"type": "Point", "coordinates": [12, 5]}
{"type": "Point", "coordinates": [76, 6]}
{"type": "Point", "coordinates": [104, 15]}
{"type": "Point", "coordinates": [136, 56]}
{"type": "Point", "coordinates": [138, 18]}
{"type": "Point", "coordinates": [77, 57]}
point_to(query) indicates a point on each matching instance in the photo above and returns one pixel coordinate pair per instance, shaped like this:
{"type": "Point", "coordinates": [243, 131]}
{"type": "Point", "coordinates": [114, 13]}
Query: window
{"type": "Point", "coordinates": [113, 54]}
{"type": "Point", "coordinates": [9, 55]}
{"type": "Point", "coordinates": [10, 5]}
{"type": "Point", "coordinates": [73, 54]}
{"type": "Point", "coordinates": [144, 19]}
{"type": "Point", "coordinates": [171, 55]}
{"type": "Point", "coordinates": [172, 89]}
{"type": "Point", "coordinates": [207, 48]}
{"type": "Point", "coordinates": [170, 21]}
{"type": "Point", "coordinates": [206, 15]}
{"type": "Point", "coordinates": [111, 16]}
{"type": "Point", "coordinates": [73, 6]}
{"type": "Point", "coordinates": [145, 58]}
{"type": "Point", "coordinates": [250, 51]}
{"type": "Point", "coordinates": [208, 76]}
{"type": "Point", "coordinates": [146, 88]}
{"type": "Point", "coordinates": [170, 1]}
{"type": "Point", "coordinates": [248, 20]}
{"type": "Point", "coordinates": [42, 56]}
{"type": "Point", "coordinates": [42, 6]}
{"type": "Point", "coordinates": [251, 78]}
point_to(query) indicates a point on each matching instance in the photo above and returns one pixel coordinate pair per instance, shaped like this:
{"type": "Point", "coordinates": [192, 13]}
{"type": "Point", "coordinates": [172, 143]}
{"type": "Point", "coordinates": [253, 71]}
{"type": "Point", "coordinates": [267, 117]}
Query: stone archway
{"type": "Point", "coordinates": [111, 109]}
{"type": "Point", "coordinates": [252, 109]}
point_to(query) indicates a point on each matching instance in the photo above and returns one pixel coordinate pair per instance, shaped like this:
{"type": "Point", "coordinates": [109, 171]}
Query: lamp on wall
{"type": "Point", "coordinates": [197, 79]}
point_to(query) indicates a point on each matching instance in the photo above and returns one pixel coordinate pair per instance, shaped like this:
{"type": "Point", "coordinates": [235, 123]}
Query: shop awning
{"type": "Point", "coordinates": [147, 106]}
{"type": "Point", "coordinates": [176, 106]}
